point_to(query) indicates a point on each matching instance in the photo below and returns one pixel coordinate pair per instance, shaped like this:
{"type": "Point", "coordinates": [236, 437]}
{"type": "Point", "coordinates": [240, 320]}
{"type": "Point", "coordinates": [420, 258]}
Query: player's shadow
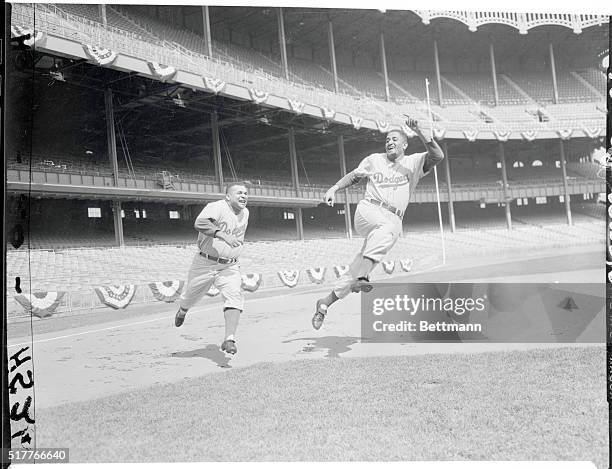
{"type": "Point", "coordinates": [210, 352]}
{"type": "Point", "coordinates": [335, 345]}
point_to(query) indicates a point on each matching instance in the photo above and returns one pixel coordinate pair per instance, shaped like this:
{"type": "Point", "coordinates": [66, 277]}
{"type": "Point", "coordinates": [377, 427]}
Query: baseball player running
{"type": "Point", "coordinates": [221, 226]}
{"type": "Point", "coordinates": [392, 178]}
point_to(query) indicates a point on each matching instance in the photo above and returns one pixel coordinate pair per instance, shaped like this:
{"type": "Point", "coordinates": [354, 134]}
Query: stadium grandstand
{"type": "Point", "coordinates": [127, 119]}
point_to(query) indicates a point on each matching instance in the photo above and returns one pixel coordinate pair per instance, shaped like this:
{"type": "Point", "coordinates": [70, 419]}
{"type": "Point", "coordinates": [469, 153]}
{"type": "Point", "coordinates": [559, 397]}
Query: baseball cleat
{"type": "Point", "coordinates": [229, 346]}
{"type": "Point", "coordinates": [319, 315]}
{"type": "Point", "coordinates": [362, 284]}
{"type": "Point", "coordinates": [179, 319]}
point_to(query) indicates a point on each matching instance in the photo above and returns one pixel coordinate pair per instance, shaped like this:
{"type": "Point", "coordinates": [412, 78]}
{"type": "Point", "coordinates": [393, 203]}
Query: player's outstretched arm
{"type": "Point", "coordinates": [434, 153]}
{"type": "Point", "coordinates": [346, 181]}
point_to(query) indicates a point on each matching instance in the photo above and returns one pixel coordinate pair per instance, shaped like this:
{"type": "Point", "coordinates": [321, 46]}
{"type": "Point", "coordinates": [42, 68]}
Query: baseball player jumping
{"type": "Point", "coordinates": [221, 226]}
{"type": "Point", "coordinates": [392, 178]}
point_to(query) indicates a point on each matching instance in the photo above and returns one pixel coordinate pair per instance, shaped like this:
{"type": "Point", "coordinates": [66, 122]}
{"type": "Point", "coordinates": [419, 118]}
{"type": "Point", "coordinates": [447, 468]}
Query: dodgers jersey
{"type": "Point", "coordinates": [225, 220]}
{"type": "Point", "coordinates": [392, 182]}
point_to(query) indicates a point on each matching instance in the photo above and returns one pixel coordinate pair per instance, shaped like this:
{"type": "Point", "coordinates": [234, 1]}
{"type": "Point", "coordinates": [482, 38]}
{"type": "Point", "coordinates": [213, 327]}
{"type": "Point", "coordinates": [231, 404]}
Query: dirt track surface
{"type": "Point", "coordinates": [99, 359]}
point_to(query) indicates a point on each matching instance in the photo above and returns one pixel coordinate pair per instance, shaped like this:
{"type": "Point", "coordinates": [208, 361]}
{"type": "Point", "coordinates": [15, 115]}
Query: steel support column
{"type": "Point", "coordinates": [502, 157]}
{"type": "Point", "coordinates": [566, 194]}
{"type": "Point", "coordinates": [347, 205]}
{"type": "Point", "coordinates": [451, 208]}
{"type": "Point", "coordinates": [216, 144]}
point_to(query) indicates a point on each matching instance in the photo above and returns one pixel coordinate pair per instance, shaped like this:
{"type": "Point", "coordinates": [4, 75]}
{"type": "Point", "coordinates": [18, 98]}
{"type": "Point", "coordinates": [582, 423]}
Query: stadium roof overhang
{"type": "Point", "coordinates": [523, 22]}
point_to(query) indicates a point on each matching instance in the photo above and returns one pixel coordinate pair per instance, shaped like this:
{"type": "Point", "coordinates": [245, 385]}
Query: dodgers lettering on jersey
{"type": "Point", "coordinates": [392, 182]}
{"type": "Point", "coordinates": [227, 221]}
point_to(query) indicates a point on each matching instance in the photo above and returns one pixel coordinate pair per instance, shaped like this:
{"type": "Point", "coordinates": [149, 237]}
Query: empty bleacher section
{"type": "Point", "coordinates": [585, 170]}
{"type": "Point", "coordinates": [414, 83]}
{"type": "Point", "coordinates": [478, 86]}
{"type": "Point", "coordinates": [538, 85]}
{"type": "Point", "coordinates": [592, 209]}
{"type": "Point", "coordinates": [572, 90]}
{"type": "Point", "coordinates": [575, 115]}
{"type": "Point", "coordinates": [595, 78]}
{"type": "Point", "coordinates": [82, 269]}
{"type": "Point", "coordinates": [369, 82]}
{"type": "Point", "coordinates": [311, 72]}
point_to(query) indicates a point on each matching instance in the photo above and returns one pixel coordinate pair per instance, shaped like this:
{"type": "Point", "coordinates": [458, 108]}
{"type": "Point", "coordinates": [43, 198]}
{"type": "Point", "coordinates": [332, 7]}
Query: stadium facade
{"type": "Point", "coordinates": [127, 119]}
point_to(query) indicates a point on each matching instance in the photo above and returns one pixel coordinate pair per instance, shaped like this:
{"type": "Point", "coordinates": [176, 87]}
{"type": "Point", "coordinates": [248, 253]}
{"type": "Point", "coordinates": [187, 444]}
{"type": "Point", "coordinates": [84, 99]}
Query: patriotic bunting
{"type": "Point", "coordinates": [116, 296]}
{"type": "Point", "coordinates": [316, 274]}
{"type": "Point", "coordinates": [406, 265]}
{"type": "Point", "coordinates": [340, 270]}
{"type": "Point", "coordinates": [383, 127]}
{"type": "Point", "coordinates": [565, 134]}
{"type": "Point", "coordinates": [529, 135]}
{"type": "Point", "coordinates": [289, 277]}
{"type": "Point", "coordinates": [167, 291]}
{"type": "Point", "coordinates": [356, 121]}
{"type": "Point", "coordinates": [212, 291]}
{"type": "Point", "coordinates": [296, 106]}
{"type": "Point", "coordinates": [251, 282]}
{"type": "Point", "coordinates": [470, 135]}
{"type": "Point", "coordinates": [214, 84]}
{"type": "Point", "coordinates": [99, 55]}
{"type": "Point", "coordinates": [502, 135]}
{"type": "Point", "coordinates": [592, 132]}
{"type": "Point", "coordinates": [258, 96]}
{"type": "Point", "coordinates": [329, 114]}
{"type": "Point", "coordinates": [162, 72]}
{"type": "Point", "coordinates": [36, 37]}
{"type": "Point", "coordinates": [439, 133]}
{"type": "Point", "coordinates": [388, 266]}
{"type": "Point", "coordinates": [40, 304]}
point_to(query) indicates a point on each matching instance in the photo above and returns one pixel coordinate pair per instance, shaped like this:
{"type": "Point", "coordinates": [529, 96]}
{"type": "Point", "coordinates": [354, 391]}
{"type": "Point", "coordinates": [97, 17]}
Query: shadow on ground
{"type": "Point", "coordinates": [211, 352]}
{"type": "Point", "coordinates": [335, 345]}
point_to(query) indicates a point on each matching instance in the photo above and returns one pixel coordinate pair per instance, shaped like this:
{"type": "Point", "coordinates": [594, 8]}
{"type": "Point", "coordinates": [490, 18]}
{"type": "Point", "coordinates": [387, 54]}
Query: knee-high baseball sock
{"type": "Point", "coordinates": [329, 299]}
{"type": "Point", "coordinates": [365, 267]}
{"type": "Point", "coordinates": [232, 316]}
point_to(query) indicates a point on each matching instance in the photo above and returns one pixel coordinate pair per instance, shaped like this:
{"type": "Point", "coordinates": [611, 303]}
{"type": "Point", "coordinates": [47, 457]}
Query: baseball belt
{"type": "Point", "coordinates": [391, 208]}
{"type": "Point", "coordinates": [219, 260]}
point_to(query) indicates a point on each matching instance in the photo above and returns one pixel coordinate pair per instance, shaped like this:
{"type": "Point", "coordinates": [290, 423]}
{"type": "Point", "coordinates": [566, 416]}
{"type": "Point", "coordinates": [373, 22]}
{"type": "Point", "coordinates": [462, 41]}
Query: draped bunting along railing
{"type": "Point", "coordinates": [54, 21]}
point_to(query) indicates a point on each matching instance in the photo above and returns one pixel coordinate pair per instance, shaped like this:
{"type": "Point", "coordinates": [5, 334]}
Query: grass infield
{"type": "Point", "coordinates": [527, 405]}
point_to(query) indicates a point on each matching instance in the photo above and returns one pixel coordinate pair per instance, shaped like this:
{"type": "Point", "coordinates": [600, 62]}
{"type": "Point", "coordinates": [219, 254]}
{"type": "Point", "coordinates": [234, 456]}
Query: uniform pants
{"type": "Point", "coordinates": [205, 273]}
{"type": "Point", "coordinates": [381, 229]}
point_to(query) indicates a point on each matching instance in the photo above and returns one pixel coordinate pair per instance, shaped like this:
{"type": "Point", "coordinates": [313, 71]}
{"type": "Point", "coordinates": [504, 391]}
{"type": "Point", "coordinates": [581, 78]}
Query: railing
{"type": "Point", "coordinates": [424, 193]}
{"type": "Point", "coordinates": [90, 32]}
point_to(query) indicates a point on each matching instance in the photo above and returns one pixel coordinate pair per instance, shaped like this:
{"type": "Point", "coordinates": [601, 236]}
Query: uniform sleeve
{"type": "Point", "coordinates": [211, 210]}
{"type": "Point", "coordinates": [419, 165]}
{"type": "Point", "coordinates": [365, 167]}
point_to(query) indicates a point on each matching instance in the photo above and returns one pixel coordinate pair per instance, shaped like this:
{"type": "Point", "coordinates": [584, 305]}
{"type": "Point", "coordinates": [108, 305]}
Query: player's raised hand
{"type": "Point", "coordinates": [228, 239]}
{"type": "Point", "coordinates": [412, 124]}
{"type": "Point", "coordinates": [330, 196]}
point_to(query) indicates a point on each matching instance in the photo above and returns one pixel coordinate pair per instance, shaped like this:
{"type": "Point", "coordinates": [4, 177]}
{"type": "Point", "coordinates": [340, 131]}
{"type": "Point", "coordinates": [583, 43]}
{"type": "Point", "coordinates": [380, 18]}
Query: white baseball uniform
{"type": "Point", "coordinates": [204, 272]}
{"type": "Point", "coordinates": [391, 183]}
